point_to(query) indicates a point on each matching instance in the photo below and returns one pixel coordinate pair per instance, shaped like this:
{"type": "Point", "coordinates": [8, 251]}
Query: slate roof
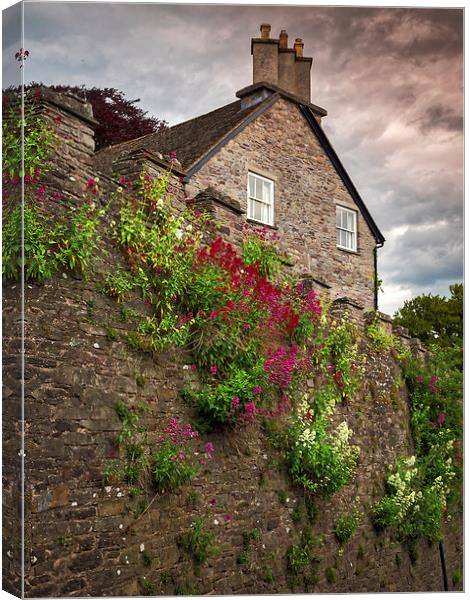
{"type": "Point", "coordinates": [190, 140]}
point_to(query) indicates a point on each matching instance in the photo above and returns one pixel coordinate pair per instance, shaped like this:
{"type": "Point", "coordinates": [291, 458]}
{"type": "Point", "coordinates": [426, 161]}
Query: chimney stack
{"type": "Point", "coordinates": [265, 29]}
{"type": "Point", "coordinates": [299, 48]}
{"type": "Point", "coordinates": [277, 64]}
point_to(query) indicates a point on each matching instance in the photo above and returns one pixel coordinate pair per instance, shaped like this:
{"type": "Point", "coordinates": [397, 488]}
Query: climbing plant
{"type": "Point", "coordinates": [44, 229]}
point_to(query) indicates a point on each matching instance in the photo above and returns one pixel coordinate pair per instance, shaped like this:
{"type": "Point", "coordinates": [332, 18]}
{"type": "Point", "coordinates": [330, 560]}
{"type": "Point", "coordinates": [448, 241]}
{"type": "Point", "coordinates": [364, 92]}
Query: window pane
{"type": "Point", "coordinates": [266, 191]}
{"type": "Point", "coordinates": [268, 213]}
{"type": "Point", "coordinates": [259, 189]}
{"type": "Point", "coordinates": [251, 183]}
{"type": "Point", "coordinates": [257, 211]}
{"type": "Point", "coordinates": [350, 221]}
{"type": "Point", "coordinates": [338, 217]}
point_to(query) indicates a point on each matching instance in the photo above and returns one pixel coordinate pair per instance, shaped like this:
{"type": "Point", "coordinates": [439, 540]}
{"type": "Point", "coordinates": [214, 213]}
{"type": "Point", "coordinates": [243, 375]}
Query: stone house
{"type": "Point", "coordinates": [264, 159]}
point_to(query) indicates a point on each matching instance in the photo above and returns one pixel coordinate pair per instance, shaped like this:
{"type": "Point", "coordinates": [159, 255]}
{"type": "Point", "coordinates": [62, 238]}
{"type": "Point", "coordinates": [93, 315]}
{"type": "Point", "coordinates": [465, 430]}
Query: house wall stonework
{"type": "Point", "coordinates": [280, 145]}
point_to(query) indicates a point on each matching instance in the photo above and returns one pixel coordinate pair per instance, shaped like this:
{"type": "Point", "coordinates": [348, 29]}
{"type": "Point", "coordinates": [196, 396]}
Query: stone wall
{"type": "Point", "coordinates": [81, 536]}
{"type": "Point", "coordinates": [281, 146]}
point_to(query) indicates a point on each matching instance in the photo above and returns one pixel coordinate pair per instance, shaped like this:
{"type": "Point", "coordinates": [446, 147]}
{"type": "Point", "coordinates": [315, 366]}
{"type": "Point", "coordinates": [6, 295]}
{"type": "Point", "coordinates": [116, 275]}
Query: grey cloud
{"type": "Point", "coordinates": [438, 116]}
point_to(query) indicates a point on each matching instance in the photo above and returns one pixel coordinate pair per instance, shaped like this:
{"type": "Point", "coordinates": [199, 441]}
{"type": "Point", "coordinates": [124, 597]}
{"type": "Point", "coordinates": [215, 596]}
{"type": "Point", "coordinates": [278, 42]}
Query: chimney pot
{"type": "Point", "coordinates": [265, 29]}
{"type": "Point", "coordinates": [299, 47]}
{"type": "Point", "coordinates": [283, 39]}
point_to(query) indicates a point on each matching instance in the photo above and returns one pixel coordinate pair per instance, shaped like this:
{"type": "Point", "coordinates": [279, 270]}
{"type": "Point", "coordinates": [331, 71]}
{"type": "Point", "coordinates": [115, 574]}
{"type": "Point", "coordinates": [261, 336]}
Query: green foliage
{"type": "Point", "coordinates": [434, 319]}
{"type": "Point", "coordinates": [330, 574]}
{"type": "Point", "coordinates": [160, 247]}
{"type": "Point", "coordinates": [167, 577]}
{"type": "Point", "coordinates": [214, 401]}
{"type": "Point", "coordinates": [381, 340]}
{"type": "Point", "coordinates": [129, 419]}
{"type": "Point", "coordinates": [250, 536]}
{"type": "Point", "coordinates": [128, 314]}
{"type": "Point", "coordinates": [414, 501]}
{"type": "Point", "coordinates": [421, 488]}
{"type": "Point", "coordinates": [258, 249]}
{"type": "Point", "coordinates": [56, 233]}
{"type": "Point", "coordinates": [146, 558]}
{"type": "Point", "coordinates": [118, 283]}
{"type": "Point", "coordinates": [168, 471]}
{"type": "Point", "coordinates": [148, 587]}
{"type": "Point", "coordinates": [321, 461]}
{"type": "Point", "coordinates": [296, 515]}
{"type": "Point", "coordinates": [302, 554]}
{"type": "Point", "coordinates": [37, 142]}
{"type": "Point", "coordinates": [198, 541]}
{"type": "Point", "coordinates": [456, 578]}
{"type": "Point", "coordinates": [311, 508]}
{"type": "Point", "coordinates": [112, 473]}
{"type": "Point", "coordinates": [347, 524]}
{"type": "Point", "coordinates": [186, 589]}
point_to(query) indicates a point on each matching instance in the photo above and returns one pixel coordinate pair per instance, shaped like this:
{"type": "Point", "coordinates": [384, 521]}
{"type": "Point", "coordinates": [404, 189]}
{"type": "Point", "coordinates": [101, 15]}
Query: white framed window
{"type": "Point", "coordinates": [260, 199]}
{"type": "Point", "coordinates": [346, 228]}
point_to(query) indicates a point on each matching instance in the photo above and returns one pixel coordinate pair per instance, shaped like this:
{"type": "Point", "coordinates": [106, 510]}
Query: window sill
{"type": "Point", "coordinates": [255, 222]}
{"type": "Point", "coordinates": [348, 250]}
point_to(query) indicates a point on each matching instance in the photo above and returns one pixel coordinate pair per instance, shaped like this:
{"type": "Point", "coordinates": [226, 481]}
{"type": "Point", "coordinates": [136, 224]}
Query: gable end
{"type": "Point", "coordinates": [330, 152]}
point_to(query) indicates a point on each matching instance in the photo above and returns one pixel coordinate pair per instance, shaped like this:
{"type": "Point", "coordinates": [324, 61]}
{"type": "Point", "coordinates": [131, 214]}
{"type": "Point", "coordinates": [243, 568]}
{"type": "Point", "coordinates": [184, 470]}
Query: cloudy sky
{"type": "Point", "coordinates": [391, 80]}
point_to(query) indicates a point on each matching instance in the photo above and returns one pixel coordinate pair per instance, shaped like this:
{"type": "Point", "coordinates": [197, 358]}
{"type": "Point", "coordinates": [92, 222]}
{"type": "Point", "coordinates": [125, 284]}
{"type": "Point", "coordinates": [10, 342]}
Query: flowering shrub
{"type": "Point", "coordinates": [170, 465]}
{"type": "Point", "coordinates": [420, 489]}
{"type": "Point", "coordinates": [347, 524]}
{"type": "Point", "coordinates": [414, 503]}
{"type": "Point", "coordinates": [319, 460]}
{"type": "Point", "coordinates": [160, 247]}
{"type": "Point", "coordinates": [56, 234]}
{"type": "Point", "coordinates": [239, 316]}
{"type": "Point", "coordinates": [199, 541]}
{"type": "Point", "coordinates": [172, 461]}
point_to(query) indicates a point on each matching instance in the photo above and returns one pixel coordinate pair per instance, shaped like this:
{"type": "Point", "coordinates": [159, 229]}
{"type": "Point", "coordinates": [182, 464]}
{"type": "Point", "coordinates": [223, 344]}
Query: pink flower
{"type": "Point", "coordinates": [213, 502]}
{"type": "Point", "coordinates": [209, 447]}
{"type": "Point", "coordinates": [56, 196]}
{"type": "Point", "coordinates": [214, 370]}
{"type": "Point", "coordinates": [193, 367]}
{"type": "Point", "coordinates": [181, 456]}
{"type": "Point", "coordinates": [440, 419]}
{"type": "Point", "coordinates": [236, 401]}
{"type": "Point", "coordinates": [245, 326]}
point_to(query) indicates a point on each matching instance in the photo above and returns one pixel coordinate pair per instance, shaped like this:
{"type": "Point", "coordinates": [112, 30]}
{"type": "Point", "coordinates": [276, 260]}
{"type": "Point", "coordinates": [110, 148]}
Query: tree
{"type": "Point", "coordinates": [434, 319]}
{"type": "Point", "coordinates": [119, 118]}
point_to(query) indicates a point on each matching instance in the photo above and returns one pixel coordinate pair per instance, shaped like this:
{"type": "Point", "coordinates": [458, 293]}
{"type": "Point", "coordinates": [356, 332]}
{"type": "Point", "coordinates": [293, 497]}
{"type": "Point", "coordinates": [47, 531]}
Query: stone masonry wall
{"type": "Point", "coordinates": [82, 537]}
{"type": "Point", "coordinates": [281, 146]}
